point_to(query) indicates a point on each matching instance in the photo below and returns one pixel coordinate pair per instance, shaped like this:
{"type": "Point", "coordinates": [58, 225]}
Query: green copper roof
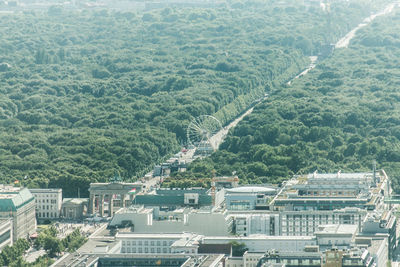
{"type": "Point", "coordinates": [11, 201]}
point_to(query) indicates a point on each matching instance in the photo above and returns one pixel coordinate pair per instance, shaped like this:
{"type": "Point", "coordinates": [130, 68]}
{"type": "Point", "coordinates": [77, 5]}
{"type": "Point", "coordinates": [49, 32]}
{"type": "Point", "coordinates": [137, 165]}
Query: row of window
{"type": "Point", "coordinates": [145, 250]}
{"type": "Point", "coordinates": [146, 243]}
{"type": "Point", "coordinates": [46, 207]}
{"type": "Point", "coordinates": [52, 201]}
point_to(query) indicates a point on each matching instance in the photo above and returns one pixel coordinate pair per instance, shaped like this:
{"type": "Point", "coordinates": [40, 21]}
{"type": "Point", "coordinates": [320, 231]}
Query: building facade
{"type": "Point", "coordinates": [48, 203]}
{"type": "Point", "coordinates": [6, 233]}
{"type": "Point", "coordinates": [74, 208]}
{"type": "Point", "coordinates": [18, 204]}
{"type": "Point", "coordinates": [158, 243]}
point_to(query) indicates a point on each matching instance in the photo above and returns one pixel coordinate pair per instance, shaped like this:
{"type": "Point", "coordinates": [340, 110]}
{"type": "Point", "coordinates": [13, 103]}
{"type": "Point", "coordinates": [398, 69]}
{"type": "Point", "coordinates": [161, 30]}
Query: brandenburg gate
{"type": "Point", "coordinates": [116, 193]}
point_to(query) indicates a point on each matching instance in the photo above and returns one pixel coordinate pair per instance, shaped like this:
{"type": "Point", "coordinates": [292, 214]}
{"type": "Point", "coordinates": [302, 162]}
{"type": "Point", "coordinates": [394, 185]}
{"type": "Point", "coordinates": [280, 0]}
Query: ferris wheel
{"type": "Point", "coordinates": [201, 130]}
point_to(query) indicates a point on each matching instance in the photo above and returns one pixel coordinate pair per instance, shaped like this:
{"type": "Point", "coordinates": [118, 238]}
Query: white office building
{"type": "Point", "coordinates": [48, 202]}
{"type": "Point", "coordinates": [187, 243]}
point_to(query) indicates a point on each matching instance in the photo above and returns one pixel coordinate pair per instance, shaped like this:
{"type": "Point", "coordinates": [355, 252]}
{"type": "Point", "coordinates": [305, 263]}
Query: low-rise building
{"type": "Point", "coordinates": [74, 208]}
{"type": "Point", "coordinates": [381, 224]}
{"type": "Point", "coordinates": [249, 197]}
{"type": "Point", "coordinates": [262, 243]}
{"type": "Point", "coordinates": [171, 199]}
{"type": "Point", "coordinates": [48, 203]}
{"type": "Point", "coordinates": [18, 204]}
{"type": "Point", "coordinates": [149, 220]}
{"type": "Point", "coordinates": [158, 243]}
{"type": "Point", "coordinates": [331, 191]}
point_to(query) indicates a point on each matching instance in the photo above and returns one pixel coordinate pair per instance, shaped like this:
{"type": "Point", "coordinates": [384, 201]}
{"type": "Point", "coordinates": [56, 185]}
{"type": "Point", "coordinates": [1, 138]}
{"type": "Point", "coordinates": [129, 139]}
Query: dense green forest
{"type": "Point", "coordinates": [341, 116]}
{"type": "Point", "coordinates": [84, 94]}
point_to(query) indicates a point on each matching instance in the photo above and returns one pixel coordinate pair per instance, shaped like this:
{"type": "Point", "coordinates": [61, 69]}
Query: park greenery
{"type": "Point", "coordinates": [85, 94]}
{"type": "Point", "coordinates": [343, 115]}
{"type": "Point", "coordinates": [12, 256]}
{"type": "Point", "coordinates": [47, 240]}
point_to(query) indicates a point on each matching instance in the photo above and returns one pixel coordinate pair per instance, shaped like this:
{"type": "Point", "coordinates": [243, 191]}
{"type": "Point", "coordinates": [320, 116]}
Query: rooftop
{"type": "Point", "coordinates": [45, 190]}
{"type": "Point", "coordinates": [76, 201]}
{"type": "Point", "coordinates": [340, 175]}
{"type": "Point", "coordinates": [124, 235]}
{"type": "Point", "coordinates": [259, 237]}
{"type": "Point", "coordinates": [337, 229]}
{"type": "Point", "coordinates": [251, 189]}
{"type": "Point", "coordinates": [12, 198]}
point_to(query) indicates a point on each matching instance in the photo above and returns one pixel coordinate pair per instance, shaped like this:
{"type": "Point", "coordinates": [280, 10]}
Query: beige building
{"type": "Point", "coordinates": [74, 208]}
{"type": "Point", "coordinates": [48, 202]}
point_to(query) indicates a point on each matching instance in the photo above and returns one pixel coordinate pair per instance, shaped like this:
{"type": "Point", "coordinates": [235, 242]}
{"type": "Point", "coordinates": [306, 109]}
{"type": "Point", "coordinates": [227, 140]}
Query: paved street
{"type": "Point", "coordinates": [32, 254]}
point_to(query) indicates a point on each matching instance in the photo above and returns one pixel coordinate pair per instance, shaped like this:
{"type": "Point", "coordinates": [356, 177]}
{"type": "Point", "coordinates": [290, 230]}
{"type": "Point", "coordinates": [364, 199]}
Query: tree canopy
{"type": "Point", "coordinates": [86, 94]}
{"type": "Point", "coordinates": [343, 115]}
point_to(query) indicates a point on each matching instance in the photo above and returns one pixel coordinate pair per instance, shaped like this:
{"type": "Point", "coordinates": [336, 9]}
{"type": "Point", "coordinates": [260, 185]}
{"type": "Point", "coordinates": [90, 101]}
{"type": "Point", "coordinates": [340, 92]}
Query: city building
{"type": "Point", "coordinates": [6, 233]}
{"type": "Point", "coordinates": [162, 260]}
{"type": "Point", "coordinates": [331, 191]}
{"type": "Point", "coordinates": [149, 220]}
{"type": "Point", "coordinates": [262, 243]}
{"type": "Point", "coordinates": [249, 197]}
{"type": "Point", "coordinates": [171, 199]}
{"type": "Point", "coordinates": [74, 208]}
{"type": "Point", "coordinates": [256, 223]}
{"type": "Point", "coordinates": [307, 222]}
{"type": "Point", "coordinates": [18, 204]}
{"type": "Point", "coordinates": [381, 225]}
{"type": "Point", "coordinates": [158, 243]}
{"type": "Point", "coordinates": [293, 223]}
{"type": "Point", "coordinates": [48, 203]}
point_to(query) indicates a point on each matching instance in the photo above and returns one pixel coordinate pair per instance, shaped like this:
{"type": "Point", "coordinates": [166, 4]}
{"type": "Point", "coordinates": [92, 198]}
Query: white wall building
{"type": "Point", "coordinates": [158, 243]}
{"type": "Point", "coordinates": [48, 202]}
{"type": "Point", "coordinates": [182, 220]}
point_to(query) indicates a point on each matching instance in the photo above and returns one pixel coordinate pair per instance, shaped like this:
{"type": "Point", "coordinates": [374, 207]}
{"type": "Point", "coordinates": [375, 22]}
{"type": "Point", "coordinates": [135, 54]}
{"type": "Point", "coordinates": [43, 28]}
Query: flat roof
{"type": "Point", "coordinates": [259, 237]}
{"type": "Point", "coordinates": [151, 235]}
{"type": "Point", "coordinates": [337, 229]}
{"type": "Point", "coordinates": [45, 190]}
{"type": "Point", "coordinates": [340, 175]}
{"type": "Point", "coordinates": [251, 189]}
